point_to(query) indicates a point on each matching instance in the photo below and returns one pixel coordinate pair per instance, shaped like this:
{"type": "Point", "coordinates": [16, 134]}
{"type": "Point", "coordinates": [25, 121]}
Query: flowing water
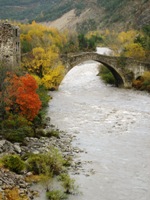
{"type": "Point", "coordinates": [112, 126]}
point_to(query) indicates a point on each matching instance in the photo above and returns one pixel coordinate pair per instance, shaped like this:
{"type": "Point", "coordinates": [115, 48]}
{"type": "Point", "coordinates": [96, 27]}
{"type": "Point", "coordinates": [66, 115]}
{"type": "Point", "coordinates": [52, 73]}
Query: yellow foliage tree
{"type": "Point", "coordinates": [42, 36]}
{"type": "Point", "coordinates": [117, 41]}
{"type": "Point", "coordinates": [40, 60]}
{"type": "Point", "coordinates": [52, 79]}
{"type": "Point", "coordinates": [38, 79]}
{"type": "Point", "coordinates": [127, 37]}
{"type": "Point", "coordinates": [134, 50]}
{"type": "Point", "coordinates": [42, 46]}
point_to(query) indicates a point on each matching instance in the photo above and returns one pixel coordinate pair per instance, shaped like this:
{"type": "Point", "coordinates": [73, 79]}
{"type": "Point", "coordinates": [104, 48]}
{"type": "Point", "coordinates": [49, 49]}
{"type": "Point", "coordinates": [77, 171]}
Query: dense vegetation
{"type": "Point", "coordinates": [111, 5]}
{"type": "Point", "coordinates": [20, 105]}
{"type": "Point", "coordinates": [41, 47]}
{"type": "Point", "coordinates": [23, 91]}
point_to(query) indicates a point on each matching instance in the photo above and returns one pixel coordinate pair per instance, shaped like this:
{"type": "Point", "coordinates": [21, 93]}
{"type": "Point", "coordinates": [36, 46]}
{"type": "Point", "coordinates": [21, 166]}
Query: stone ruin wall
{"type": "Point", "coordinates": [10, 53]}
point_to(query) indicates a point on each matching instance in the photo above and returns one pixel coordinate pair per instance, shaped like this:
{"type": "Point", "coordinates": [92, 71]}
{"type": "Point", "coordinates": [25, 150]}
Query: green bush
{"type": "Point", "coordinates": [44, 97]}
{"type": "Point", "coordinates": [146, 82]}
{"type": "Point", "coordinates": [56, 195]}
{"type": "Point", "coordinates": [40, 133]}
{"type": "Point", "coordinates": [67, 161]}
{"type": "Point", "coordinates": [107, 76]}
{"type": "Point", "coordinates": [67, 183]}
{"type": "Point", "coordinates": [88, 43]}
{"type": "Point", "coordinates": [48, 133]}
{"type": "Point", "coordinates": [17, 135]}
{"type": "Point", "coordinates": [15, 128]}
{"type": "Point", "coordinates": [46, 164]}
{"type": "Point", "coordinates": [53, 132]}
{"type": "Point", "coordinates": [26, 46]}
{"type": "Point", "coordinates": [13, 163]}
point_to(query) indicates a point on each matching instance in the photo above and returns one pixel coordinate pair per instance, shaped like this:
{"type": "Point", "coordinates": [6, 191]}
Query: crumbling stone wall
{"type": "Point", "coordinates": [10, 52]}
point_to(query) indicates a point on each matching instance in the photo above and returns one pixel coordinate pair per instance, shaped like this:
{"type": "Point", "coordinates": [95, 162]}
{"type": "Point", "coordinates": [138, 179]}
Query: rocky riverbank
{"type": "Point", "coordinates": [10, 180]}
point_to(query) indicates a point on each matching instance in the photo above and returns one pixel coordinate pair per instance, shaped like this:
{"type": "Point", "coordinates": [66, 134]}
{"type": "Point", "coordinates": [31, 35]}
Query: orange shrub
{"type": "Point", "coordinates": [21, 96]}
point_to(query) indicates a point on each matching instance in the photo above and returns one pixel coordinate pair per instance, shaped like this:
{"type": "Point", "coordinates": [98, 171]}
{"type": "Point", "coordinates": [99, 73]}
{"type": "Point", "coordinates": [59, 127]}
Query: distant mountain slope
{"type": "Point", "coordinates": [25, 9]}
{"type": "Point", "coordinates": [41, 10]}
{"type": "Point", "coordinates": [83, 15]}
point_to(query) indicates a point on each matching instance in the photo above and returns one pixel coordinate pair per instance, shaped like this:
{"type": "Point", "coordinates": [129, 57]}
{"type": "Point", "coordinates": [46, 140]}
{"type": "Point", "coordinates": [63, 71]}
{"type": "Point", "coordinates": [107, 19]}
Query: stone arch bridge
{"type": "Point", "coordinates": [124, 69]}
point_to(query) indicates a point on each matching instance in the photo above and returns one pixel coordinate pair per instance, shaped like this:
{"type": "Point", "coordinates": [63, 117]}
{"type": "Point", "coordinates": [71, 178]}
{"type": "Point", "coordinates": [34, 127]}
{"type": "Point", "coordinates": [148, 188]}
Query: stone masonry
{"type": "Point", "coordinates": [10, 52]}
{"type": "Point", "coordinates": [124, 69]}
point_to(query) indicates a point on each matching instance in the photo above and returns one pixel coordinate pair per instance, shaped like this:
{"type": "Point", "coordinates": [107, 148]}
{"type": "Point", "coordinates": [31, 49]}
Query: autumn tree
{"type": "Point", "coordinates": [134, 50]}
{"type": "Point", "coordinates": [126, 43]}
{"type": "Point", "coordinates": [53, 78]}
{"type": "Point", "coordinates": [42, 47]}
{"type": "Point", "coordinates": [127, 37]}
{"type": "Point", "coordinates": [21, 97]}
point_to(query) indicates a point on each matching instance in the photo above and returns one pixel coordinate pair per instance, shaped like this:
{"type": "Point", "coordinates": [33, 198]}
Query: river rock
{"type": "Point", "coordinates": [17, 148]}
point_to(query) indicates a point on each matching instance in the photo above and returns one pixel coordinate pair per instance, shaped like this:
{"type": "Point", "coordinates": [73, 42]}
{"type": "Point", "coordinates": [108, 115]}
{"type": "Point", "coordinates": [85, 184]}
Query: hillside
{"type": "Point", "coordinates": [81, 15]}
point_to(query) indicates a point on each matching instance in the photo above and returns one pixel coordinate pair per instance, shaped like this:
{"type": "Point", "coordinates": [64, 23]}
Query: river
{"type": "Point", "coordinates": [112, 126]}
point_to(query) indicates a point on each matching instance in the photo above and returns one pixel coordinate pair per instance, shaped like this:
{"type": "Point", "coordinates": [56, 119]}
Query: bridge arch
{"type": "Point", "coordinates": [124, 69]}
{"type": "Point", "coordinates": [85, 57]}
{"type": "Point", "coordinates": [119, 80]}
{"type": "Point", "coordinates": [115, 73]}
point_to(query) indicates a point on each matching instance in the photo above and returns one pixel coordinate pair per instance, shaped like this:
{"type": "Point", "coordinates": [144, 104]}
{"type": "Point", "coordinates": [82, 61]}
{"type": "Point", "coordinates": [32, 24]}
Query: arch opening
{"type": "Point", "coordinates": [119, 82]}
{"type": "Point", "coordinates": [118, 79]}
